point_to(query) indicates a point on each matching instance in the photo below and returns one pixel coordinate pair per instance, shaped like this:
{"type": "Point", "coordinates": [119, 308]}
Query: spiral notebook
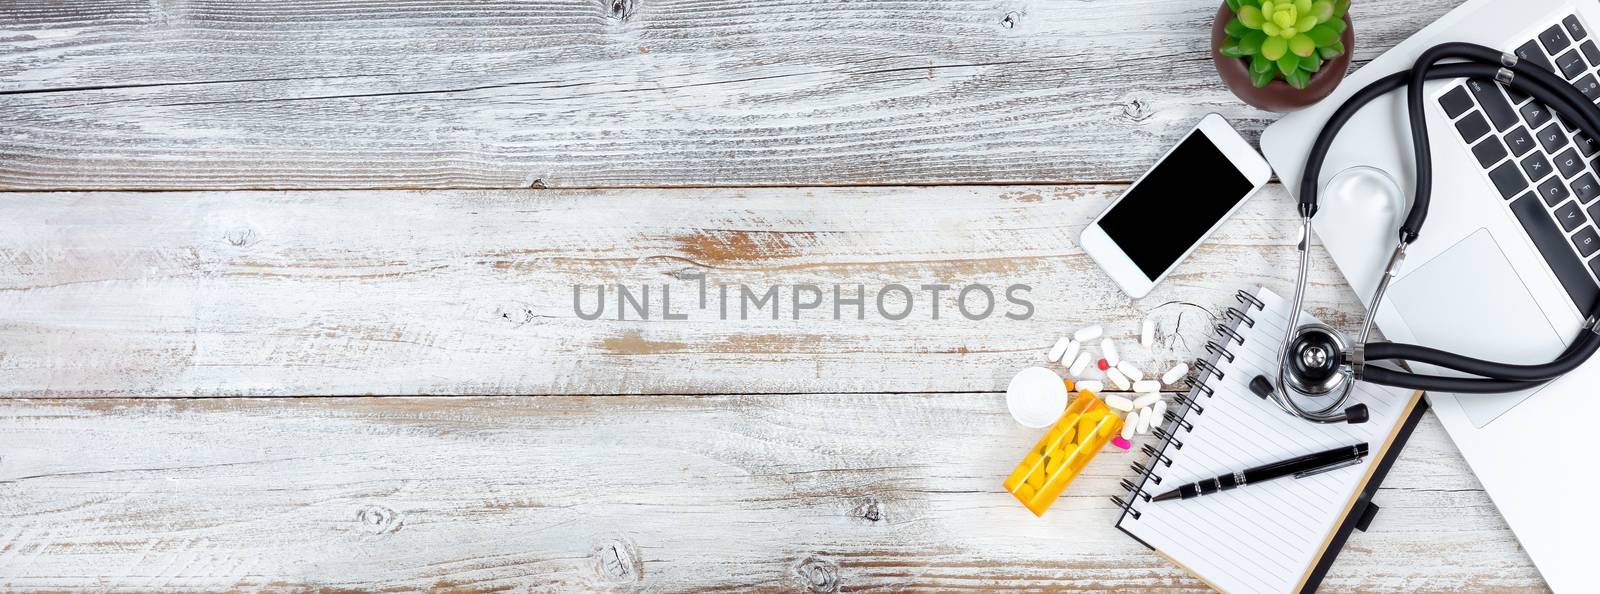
{"type": "Point", "coordinates": [1277, 536]}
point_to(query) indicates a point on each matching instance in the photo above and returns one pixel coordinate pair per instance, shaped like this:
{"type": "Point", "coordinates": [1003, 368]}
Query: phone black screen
{"type": "Point", "coordinates": [1175, 204]}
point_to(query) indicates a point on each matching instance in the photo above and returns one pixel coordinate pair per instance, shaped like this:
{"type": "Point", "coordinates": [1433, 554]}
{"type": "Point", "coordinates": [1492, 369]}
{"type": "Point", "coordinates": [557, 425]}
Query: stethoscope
{"type": "Point", "coordinates": [1316, 361]}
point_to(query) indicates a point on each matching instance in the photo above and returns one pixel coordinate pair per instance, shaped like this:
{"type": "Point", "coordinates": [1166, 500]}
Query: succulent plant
{"type": "Point", "coordinates": [1285, 39]}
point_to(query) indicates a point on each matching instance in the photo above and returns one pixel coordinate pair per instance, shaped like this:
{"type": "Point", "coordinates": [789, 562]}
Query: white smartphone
{"type": "Point", "coordinates": [1173, 207]}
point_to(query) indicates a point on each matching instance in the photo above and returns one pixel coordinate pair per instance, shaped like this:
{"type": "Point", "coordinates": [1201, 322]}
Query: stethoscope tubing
{"type": "Point", "coordinates": [1488, 64]}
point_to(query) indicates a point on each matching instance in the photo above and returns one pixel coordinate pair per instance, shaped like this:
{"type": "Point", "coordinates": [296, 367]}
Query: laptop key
{"type": "Point", "coordinates": [1520, 141]}
{"type": "Point", "coordinates": [1594, 265]}
{"type": "Point", "coordinates": [1494, 103]}
{"type": "Point", "coordinates": [1489, 152]}
{"type": "Point", "coordinates": [1587, 241]}
{"type": "Point", "coordinates": [1530, 52]}
{"type": "Point", "coordinates": [1455, 102]}
{"type": "Point", "coordinates": [1586, 188]}
{"type": "Point", "coordinates": [1569, 215]}
{"type": "Point", "coordinates": [1569, 163]}
{"type": "Point", "coordinates": [1591, 52]}
{"type": "Point", "coordinates": [1552, 138]}
{"type": "Point", "coordinates": [1574, 27]}
{"type": "Point", "coordinates": [1589, 86]}
{"type": "Point", "coordinates": [1553, 191]}
{"type": "Point", "coordinates": [1472, 127]}
{"type": "Point", "coordinates": [1563, 262]}
{"type": "Point", "coordinates": [1508, 180]}
{"type": "Point", "coordinates": [1535, 113]}
{"type": "Point", "coordinates": [1554, 40]}
{"type": "Point", "coordinates": [1571, 64]}
{"type": "Point", "coordinates": [1535, 166]}
{"type": "Point", "coordinates": [1586, 145]}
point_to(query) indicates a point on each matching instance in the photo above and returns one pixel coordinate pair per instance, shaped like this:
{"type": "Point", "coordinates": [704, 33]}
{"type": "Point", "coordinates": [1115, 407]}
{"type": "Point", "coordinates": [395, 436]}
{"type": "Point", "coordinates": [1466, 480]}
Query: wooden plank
{"type": "Point", "coordinates": [472, 292]}
{"type": "Point", "coordinates": [815, 493]}
{"type": "Point", "coordinates": [237, 94]}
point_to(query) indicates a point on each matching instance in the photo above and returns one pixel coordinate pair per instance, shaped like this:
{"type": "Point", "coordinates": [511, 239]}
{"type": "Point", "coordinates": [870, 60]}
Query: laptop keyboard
{"type": "Point", "coordinates": [1540, 164]}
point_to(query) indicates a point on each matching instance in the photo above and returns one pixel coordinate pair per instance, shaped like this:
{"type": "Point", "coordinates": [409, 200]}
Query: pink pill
{"type": "Point", "coordinates": [1121, 443]}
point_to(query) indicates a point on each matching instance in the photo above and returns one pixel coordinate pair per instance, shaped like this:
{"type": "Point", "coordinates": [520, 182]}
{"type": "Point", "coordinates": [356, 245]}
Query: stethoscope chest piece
{"type": "Point", "coordinates": [1313, 360]}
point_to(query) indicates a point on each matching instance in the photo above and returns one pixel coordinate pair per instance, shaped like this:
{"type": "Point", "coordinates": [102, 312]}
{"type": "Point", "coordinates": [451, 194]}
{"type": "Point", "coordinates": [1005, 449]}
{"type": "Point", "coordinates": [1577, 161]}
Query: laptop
{"type": "Point", "coordinates": [1510, 250]}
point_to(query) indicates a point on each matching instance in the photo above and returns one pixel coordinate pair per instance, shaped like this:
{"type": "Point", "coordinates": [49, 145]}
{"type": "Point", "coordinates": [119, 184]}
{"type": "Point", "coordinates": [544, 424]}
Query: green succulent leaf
{"type": "Point", "coordinates": [1302, 45]}
{"type": "Point", "coordinates": [1302, 5]}
{"type": "Point", "coordinates": [1271, 28]}
{"type": "Point", "coordinates": [1297, 79]}
{"type": "Point", "coordinates": [1340, 7]}
{"type": "Point", "coordinates": [1338, 24]}
{"type": "Point", "coordinates": [1311, 63]}
{"type": "Point", "coordinates": [1268, 6]}
{"type": "Point", "coordinates": [1230, 48]}
{"type": "Point", "coordinates": [1251, 42]}
{"type": "Point", "coordinates": [1288, 63]}
{"type": "Point", "coordinates": [1323, 35]}
{"type": "Point", "coordinates": [1236, 28]}
{"type": "Point", "coordinates": [1262, 79]}
{"type": "Point", "coordinates": [1233, 5]}
{"type": "Point", "coordinates": [1322, 10]}
{"type": "Point", "coordinates": [1274, 48]}
{"type": "Point", "coordinates": [1284, 18]}
{"type": "Point", "coordinates": [1305, 23]}
{"type": "Point", "coordinates": [1332, 51]}
{"type": "Point", "coordinates": [1261, 65]}
{"type": "Point", "coordinates": [1251, 17]}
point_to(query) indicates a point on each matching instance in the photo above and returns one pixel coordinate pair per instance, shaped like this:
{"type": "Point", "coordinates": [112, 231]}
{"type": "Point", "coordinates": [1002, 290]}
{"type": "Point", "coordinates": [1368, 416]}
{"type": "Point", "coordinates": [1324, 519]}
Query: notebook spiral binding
{"type": "Point", "coordinates": [1176, 421]}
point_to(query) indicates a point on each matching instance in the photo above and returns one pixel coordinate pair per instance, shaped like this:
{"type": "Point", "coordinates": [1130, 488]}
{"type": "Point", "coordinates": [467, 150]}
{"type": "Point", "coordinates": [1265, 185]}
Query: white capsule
{"type": "Point", "coordinates": [1128, 370]}
{"type": "Point", "coordinates": [1144, 420]}
{"type": "Point", "coordinates": [1150, 388]}
{"type": "Point", "coordinates": [1130, 423]}
{"type": "Point", "coordinates": [1095, 386]}
{"type": "Point", "coordinates": [1071, 353]}
{"type": "Point", "coordinates": [1158, 413]}
{"type": "Point", "coordinates": [1108, 350]}
{"type": "Point", "coordinates": [1117, 379]}
{"type": "Point", "coordinates": [1176, 373]}
{"type": "Point", "coordinates": [1080, 364]}
{"type": "Point", "coordinates": [1087, 334]}
{"type": "Point", "coordinates": [1119, 402]}
{"type": "Point", "coordinates": [1059, 349]}
{"type": "Point", "coordinates": [1147, 333]}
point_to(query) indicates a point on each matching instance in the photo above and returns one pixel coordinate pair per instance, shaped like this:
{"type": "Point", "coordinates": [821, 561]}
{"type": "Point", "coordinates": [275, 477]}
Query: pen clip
{"type": "Point", "coordinates": [1335, 466]}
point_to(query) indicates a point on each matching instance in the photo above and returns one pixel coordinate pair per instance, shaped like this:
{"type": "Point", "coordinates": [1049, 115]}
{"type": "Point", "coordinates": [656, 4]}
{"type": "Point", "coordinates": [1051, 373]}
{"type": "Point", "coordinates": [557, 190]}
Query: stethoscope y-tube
{"type": "Point", "coordinates": [1302, 356]}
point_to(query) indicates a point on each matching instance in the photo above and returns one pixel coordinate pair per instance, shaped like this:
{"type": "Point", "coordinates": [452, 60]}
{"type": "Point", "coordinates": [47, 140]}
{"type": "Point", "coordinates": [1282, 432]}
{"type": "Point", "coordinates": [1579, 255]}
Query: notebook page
{"type": "Point", "coordinates": [1261, 537]}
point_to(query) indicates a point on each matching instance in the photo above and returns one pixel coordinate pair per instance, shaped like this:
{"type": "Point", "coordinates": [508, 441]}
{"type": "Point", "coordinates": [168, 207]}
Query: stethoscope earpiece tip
{"type": "Point", "coordinates": [1261, 386]}
{"type": "Point", "coordinates": [1355, 414]}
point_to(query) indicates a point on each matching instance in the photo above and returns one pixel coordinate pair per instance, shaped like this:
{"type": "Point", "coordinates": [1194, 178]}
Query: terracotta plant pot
{"type": "Point", "coordinates": [1278, 95]}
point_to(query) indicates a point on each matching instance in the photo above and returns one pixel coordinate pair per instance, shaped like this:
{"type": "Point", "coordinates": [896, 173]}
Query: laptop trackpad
{"type": "Point", "coordinates": [1486, 313]}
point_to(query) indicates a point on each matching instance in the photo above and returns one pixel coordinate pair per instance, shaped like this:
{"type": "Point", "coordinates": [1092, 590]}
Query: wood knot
{"type": "Point", "coordinates": [377, 519]}
{"type": "Point", "coordinates": [619, 10]}
{"type": "Point", "coordinates": [1137, 109]}
{"type": "Point", "coordinates": [1010, 20]}
{"type": "Point", "coordinates": [868, 509]}
{"type": "Point", "coordinates": [818, 575]}
{"type": "Point", "coordinates": [240, 237]}
{"type": "Point", "coordinates": [516, 314]}
{"type": "Point", "coordinates": [617, 560]}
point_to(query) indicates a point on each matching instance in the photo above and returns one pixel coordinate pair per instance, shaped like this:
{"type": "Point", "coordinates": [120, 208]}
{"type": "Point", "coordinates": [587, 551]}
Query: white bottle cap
{"type": "Point", "coordinates": [1036, 397]}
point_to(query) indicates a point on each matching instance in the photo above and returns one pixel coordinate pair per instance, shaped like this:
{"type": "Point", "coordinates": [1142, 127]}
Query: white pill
{"type": "Point", "coordinates": [1080, 364]}
{"type": "Point", "coordinates": [1036, 397]}
{"type": "Point", "coordinates": [1150, 388]}
{"type": "Point", "coordinates": [1176, 373]}
{"type": "Point", "coordinates": [1147, 333]}
{"type": "Point", "coordinates": [1119, 402]}
{"type": "Point", "coordinates": [1087, 334]}
{"type": "Point", "coordinates": [1158, 413]}
{"type": "Point", "coordinates": [1071, 353]}
{"type": "Point", "coordinates": [1059, 349]}
{"type": "Point", "coordinates": [1129, 424]}
{"type": "Point", "coordinates": [1128, 370]}
{"type": "Point", "coordinates": [1091, 385]}
{"type": "Point", "coordinates": [1108, 350]}
{"type": "Point", "coordinates": [1117, 379]}
{"type": "Point", "coordinates": [1144, 420]}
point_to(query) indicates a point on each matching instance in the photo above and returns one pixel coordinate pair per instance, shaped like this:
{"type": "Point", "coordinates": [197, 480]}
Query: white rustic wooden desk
{"type": "Point", "coordinates": [286, 294]}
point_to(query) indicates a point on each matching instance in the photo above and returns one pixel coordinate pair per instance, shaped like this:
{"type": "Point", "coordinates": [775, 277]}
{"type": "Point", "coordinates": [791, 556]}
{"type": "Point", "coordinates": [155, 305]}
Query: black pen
{"type": "Point", "coordinates": [1300, 467]}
